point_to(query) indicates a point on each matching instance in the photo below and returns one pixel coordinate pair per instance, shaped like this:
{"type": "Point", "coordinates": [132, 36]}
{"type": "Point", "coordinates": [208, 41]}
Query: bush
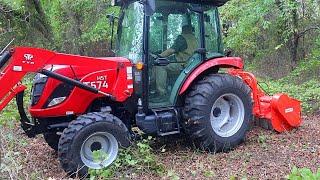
{"type": "Point", "coordinates": [136, 159]}
{"type": "Point", "coordinates": [303, 84]}
{"type": "Point", "coordinates": [303, 173]}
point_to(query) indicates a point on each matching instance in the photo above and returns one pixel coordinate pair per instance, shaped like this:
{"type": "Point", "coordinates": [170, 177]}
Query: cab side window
{"type": "Point", "coordinates": [212, 33]}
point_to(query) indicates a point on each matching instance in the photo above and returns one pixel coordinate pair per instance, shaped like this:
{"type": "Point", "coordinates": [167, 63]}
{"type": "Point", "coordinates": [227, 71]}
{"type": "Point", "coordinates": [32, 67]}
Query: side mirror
{"type": "Point", "coordinates": [150, 7]}
{"type": "Point", "coordinates": [161, 62]}
{"type": "Point", "coordinates": [111, 18]}
{"type": "Point", "coordinates": [228, 52]}
{"type": "Point", "coordinates": [207, 18]}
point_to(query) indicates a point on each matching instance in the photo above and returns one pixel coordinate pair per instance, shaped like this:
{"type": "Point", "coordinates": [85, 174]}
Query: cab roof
{"type": "Point", "coordinates": [207, 2]}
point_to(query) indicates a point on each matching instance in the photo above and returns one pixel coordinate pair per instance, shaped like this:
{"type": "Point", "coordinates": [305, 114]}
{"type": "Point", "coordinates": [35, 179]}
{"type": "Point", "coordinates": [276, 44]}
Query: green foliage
{"type": "Point", "coordinates": [273, 34]}
{"type": "Point", "coordinates": [303, 83]}
{"type": "Point", "coordinates": [73, 26]}
{"type": "Point", "coordinates": [303, 174]}
{"type": "Point", "coordinates": [249, 19]}
{"type": "Point", "coordinates": [208, 174]}
{"type": "Point", "coordinates": [172, 175]}
{"type": "Point", "coordinates": [307, 92]}
{"type": "Point", "coordinates": [262, 139]}
{"type": "Point", "coordinates": [9, 115]}
{"type": "Point", "coordinates": [138, 158]}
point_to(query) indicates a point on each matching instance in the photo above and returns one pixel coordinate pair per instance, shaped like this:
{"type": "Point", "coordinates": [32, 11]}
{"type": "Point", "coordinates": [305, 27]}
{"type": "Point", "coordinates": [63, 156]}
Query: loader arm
{"type": "Point", "coordinates": [19, 61]}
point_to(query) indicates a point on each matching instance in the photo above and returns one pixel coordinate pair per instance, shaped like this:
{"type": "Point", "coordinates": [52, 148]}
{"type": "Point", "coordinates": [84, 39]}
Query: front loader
{"type": "Point", "coordinates": [85, 104]}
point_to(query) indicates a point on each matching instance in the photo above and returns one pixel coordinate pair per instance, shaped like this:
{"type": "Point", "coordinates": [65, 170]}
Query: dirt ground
{"type": "Point", "coordinates": [264, 155]}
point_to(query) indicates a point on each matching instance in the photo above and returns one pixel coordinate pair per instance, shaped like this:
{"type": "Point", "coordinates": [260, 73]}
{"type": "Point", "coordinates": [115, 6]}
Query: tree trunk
{"type": "Point", "coordinates": [294, 43]}
{"type": "Point", "coordinates": [78, 33]}
{"type": "Point", "coordinates": [39, 21]}
{"type": "Point", "coordinates": [75, 32]}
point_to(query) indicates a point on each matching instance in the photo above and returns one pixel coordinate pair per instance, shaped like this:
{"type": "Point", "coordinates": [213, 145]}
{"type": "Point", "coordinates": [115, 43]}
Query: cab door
{"type": "Point", "coordinates": [166, 32]}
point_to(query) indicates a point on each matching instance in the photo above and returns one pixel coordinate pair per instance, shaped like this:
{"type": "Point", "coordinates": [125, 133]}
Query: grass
{"type": "Point", "coordinates": [303, 84]}
{"type": "Point", "coordinates": [9, 115]}
{"type": "Point", "coordinates": [13, 163]}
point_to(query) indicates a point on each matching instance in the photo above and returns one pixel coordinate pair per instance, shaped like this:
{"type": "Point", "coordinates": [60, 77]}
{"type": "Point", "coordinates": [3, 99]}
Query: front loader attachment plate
{"type": "Point", "coordinates": [280, 110]}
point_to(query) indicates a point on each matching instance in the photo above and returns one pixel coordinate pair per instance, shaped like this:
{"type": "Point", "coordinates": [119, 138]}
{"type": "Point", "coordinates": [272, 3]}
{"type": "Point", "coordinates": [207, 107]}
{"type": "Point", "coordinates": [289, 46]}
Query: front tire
{"type": "Point", "coordinates": [52, 139]}
{"type": "Point", "coordinates": [218, 111]}
{"type": "Point", "coordinates": [88, 133]}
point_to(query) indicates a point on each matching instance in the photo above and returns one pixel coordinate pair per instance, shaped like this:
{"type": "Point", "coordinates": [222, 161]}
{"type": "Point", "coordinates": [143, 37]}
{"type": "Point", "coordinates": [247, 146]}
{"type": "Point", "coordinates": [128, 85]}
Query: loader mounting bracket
{"type": "Point", "coordinates": [27, 126]}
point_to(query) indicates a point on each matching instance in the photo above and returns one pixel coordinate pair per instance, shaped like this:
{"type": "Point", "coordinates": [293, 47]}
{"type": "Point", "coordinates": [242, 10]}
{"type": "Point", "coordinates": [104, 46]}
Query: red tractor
{"type": "Point", "coordinates": [84, 104]}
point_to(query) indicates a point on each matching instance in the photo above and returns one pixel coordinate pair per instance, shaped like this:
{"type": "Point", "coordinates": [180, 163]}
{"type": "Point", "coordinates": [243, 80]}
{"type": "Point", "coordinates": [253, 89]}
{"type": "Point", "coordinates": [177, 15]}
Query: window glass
{"type": "Point", "coordinates": [156, 38]}
{"type": "Point", "coordinates": [174, 34]}
{"type": "Point", "coordinates": [131, 32]}
{"type": "Point", "coordinates": [212, 32]}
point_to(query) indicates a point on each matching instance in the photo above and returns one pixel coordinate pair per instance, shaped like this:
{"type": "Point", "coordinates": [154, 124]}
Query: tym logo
{"type": "Point", "coordinates": [28, 57]}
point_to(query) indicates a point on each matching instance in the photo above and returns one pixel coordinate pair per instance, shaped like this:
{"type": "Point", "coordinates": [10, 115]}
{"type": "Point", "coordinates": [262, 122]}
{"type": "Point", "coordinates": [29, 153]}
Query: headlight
{"type": "Point", "coordinates": [56, 101]}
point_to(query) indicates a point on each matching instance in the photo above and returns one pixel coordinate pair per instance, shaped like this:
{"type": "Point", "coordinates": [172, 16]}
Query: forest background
{"type": "Point", "coordinates": [279, 41]}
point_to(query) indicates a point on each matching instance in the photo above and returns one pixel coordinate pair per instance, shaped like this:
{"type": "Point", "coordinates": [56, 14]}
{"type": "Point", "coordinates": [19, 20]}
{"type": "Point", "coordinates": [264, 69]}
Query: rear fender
{"type": "Point", "coordinates": [224, 62]}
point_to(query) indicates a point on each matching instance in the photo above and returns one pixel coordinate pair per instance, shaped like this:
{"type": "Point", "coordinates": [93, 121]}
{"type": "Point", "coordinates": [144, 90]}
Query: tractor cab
{"type": "Point", "coordinates": [170, 38]}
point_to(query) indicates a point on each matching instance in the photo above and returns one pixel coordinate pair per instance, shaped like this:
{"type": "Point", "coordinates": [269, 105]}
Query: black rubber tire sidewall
{"type": "Point", "coordinates": [78, 131]}
{"type": "Point", "coordinates": [83, 134]}
{"type": "Point", "coordinates": [198, 124]}
{"type": "Point", "coordinates": [239, 136]}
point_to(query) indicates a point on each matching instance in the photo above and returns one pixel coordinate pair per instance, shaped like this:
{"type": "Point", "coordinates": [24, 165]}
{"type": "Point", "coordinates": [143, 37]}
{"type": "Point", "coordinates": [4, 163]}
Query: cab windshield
{"type": "Point", "coordinates": [130, 32]}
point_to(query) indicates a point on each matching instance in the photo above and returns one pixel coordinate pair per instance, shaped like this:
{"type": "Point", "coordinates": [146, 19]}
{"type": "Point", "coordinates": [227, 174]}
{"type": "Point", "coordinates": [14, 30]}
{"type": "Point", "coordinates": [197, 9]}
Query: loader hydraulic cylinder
{"type": "Point", "coordinates": [4, 58]}
{"type": "Point", "coordinates": [72, 82]}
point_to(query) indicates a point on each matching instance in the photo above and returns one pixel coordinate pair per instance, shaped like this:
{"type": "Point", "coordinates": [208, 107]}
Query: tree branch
{"type": "Point", "coordinates": [302, 33]}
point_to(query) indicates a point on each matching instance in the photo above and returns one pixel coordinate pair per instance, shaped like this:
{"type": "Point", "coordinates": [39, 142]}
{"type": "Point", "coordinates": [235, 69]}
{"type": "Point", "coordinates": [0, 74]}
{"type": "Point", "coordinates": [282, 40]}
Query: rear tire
{"type": "Point", "coordinates": [88, 133]}
{"type": "Point", "coordinates": [218, 111]}
{"type": "Point", "coordinates": [52, 139]}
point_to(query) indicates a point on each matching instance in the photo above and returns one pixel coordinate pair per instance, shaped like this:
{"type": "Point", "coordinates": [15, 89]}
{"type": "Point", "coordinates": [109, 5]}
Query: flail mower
{"type": "Point", "coordinates": [84, 104]}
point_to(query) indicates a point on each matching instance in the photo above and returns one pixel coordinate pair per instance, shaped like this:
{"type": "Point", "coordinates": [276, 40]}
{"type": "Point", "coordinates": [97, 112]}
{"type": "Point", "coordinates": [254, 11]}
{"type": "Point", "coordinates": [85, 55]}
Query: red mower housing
{"type": "Point", "coordinates": [282, 111]}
